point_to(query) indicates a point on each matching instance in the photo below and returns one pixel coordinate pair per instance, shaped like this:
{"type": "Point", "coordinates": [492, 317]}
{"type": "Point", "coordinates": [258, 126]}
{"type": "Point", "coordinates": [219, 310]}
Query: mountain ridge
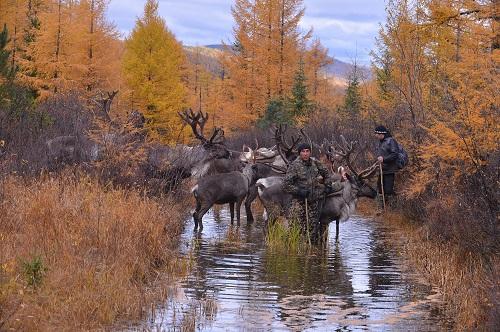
{"type": "Point", "coordinates": [338, 72]}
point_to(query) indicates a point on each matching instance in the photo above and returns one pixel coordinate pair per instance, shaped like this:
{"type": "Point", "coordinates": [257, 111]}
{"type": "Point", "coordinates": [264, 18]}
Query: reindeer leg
{"type": "Point", "coordinates": [324, 233]}
{"type": "Point", "coordinates": [231, 210]}
{"type": "Point", "coordinates": [200, 214]}
{"type": "Point", "coordinates": [238, 209]}
{"type": "Point", "coordinates": [195, 214]}
{"type": "Point", "coordinates": [337, 232]}
{"type": "Point", "coordinates": [252, 194]}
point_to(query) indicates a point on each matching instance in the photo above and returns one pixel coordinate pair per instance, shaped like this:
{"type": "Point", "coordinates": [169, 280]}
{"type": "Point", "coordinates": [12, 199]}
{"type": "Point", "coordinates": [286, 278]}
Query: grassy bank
{"type": "Point", "coordinates": [77, 255]}
{"type": "Point", "coordinates": [468, 280]}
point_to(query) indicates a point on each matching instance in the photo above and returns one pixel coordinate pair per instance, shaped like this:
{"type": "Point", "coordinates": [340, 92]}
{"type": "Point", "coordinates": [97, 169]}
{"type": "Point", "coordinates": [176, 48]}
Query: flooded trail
{"type": "Point", "coordinates": [359, 283]}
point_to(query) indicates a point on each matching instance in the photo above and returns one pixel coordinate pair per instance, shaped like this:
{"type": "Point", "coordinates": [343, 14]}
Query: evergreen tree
{"type": "Point", "coordinates": [277, 112]}
{"type": "Point", "coordinates": [5, 71]}
{"type": "Point", "coordinates": [353, 101]}
{"type": "Point", "coordinates": [14, 99]}
{"type": "Point", "coordinates": [153, 63]}
{"type": "Point", "coordinates": [300, 101]}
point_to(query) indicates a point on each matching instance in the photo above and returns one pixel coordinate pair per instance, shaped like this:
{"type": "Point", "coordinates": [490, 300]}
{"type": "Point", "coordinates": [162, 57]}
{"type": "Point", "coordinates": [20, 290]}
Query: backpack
{"type": "Point", "coordinates": [403, 159]}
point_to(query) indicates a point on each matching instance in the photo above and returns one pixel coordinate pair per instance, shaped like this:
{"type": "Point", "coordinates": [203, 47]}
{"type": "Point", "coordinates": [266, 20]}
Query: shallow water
{"type": "Point", "coordinates": [238, 284]}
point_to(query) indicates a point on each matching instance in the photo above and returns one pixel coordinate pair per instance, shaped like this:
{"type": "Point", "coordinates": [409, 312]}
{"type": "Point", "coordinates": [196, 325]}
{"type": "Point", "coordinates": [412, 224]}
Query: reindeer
{"type": "Point", "coordinates": [222, 188]}
{"type": "Point", "coordinates": [219, 158]}
{"type": "Point", "coordinates": [337, 206]}
{"type": "Point", "coordinates": [268, 162]}
{"type": "Point", "coordinates": [70, 148]}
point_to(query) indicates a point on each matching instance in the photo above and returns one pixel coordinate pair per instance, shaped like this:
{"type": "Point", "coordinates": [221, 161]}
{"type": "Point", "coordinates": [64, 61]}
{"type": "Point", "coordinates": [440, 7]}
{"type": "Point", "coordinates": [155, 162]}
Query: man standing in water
{"type": "Point", "coordinates": [302, 181]}
{"type": "Point", "coordinates": [387, 155]}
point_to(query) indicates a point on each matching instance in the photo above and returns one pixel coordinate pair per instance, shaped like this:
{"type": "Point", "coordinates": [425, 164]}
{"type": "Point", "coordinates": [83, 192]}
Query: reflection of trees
{"type": "Point", "coordinates": [307, 284]}
{"type": "Point", "coordinates": [219, 261]}
{"type": "Point", "coordinates": [196, 282]}
{"type": "Point", "coordinates": [379, 258]}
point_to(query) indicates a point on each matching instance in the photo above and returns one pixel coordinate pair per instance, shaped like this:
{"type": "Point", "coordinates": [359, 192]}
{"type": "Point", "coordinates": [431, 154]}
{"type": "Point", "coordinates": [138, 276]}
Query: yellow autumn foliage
{"type": "Point", "coordinates": [152, 64]}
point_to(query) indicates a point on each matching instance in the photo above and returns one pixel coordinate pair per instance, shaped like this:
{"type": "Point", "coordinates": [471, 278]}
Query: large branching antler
{"type": "Point", "coordinates": [345, 151]}
{"type": "Point", "coordinates": [285, 148]}
{"type": "Point", "coordinates": [195, 120]}
{"type": "Point", "coordinates": [197, 123]}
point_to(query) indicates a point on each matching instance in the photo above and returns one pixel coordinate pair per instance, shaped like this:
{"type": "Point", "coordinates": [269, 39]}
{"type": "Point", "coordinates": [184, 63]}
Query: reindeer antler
{"type": "Point", "coordinates": [195, 120]}
{"type": "Point", "coordinates": [345, 150]}
{"type": "Point", "coordinates": [281, 142]}
{"type": "Point", "coordinates": [217, 136]}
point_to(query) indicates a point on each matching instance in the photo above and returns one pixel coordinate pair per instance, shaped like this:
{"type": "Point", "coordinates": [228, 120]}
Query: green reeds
{"type": "Point", "coordinates": [286, 236]}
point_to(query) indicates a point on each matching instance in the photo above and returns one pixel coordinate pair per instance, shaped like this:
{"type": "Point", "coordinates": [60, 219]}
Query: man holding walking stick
{"type": "Point", "coordinates": [308, 181]}
{"type": "Point", "coordinates": [387, 156]}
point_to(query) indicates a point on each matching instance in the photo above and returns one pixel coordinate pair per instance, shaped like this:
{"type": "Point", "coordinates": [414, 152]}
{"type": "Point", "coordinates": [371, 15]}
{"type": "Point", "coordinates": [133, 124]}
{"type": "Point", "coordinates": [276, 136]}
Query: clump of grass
{"type": "Point", "coordinates": [100, 251]}
{"type": "Point", "coordinates": [283, 235]}
{"type": "Point", "coordinates": [33, 271]}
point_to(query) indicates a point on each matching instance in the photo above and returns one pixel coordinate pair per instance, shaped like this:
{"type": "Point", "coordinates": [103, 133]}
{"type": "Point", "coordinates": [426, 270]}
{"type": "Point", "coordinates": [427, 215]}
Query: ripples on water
{"type": "Point", "coordinates": [356, 284]}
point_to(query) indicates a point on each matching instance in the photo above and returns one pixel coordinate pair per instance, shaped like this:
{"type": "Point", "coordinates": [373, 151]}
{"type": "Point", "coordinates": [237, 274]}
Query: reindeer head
{"type": "Point", "coordinates": [216, 143]}
{"type": "Point", "coordinates": [345, 152]}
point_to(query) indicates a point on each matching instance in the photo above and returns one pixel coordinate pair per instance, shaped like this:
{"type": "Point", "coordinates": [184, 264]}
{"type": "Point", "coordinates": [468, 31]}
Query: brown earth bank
{"type": "Point", "coordinates": [468, 281]}
{"type": "Point", "coordinates": [79, 255]}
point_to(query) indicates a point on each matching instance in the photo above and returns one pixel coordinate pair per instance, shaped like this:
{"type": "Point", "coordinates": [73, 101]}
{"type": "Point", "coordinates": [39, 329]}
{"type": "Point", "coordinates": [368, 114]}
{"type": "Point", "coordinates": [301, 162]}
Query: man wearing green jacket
{"type": "Point", "coordinates": [309, 181]}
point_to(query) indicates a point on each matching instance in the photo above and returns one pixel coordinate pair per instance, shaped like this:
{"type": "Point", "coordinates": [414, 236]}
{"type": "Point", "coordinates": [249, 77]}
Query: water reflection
{"type": "Point", "coordinates": [354, 284]}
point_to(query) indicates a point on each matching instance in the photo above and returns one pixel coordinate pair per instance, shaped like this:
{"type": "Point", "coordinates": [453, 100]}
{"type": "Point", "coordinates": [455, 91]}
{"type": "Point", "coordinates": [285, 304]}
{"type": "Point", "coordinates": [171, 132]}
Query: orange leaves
{"type": "Point", "coordinates": [268, 47]}
{"type": "Point", "coordinates": [441, 86]}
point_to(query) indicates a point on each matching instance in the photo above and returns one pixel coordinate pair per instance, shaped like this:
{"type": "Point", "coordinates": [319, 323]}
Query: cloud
{"type": "Point", "coordinates": [346, 27]}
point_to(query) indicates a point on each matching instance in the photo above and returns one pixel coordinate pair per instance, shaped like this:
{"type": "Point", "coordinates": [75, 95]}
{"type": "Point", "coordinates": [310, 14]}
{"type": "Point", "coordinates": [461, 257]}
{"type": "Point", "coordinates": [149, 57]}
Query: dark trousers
{"type": "Point", "coordinates": [314, 207]}
{"type": "Point", "coordinates": [388, 184]}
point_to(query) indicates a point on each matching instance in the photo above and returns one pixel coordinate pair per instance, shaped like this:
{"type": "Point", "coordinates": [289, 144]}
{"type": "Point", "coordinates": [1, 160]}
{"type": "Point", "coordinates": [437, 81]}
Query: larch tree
{"type": "Point", "coordinates": [152, 63]}
{"type": "Point", "coordinates": [265, 55]}
{"type": "Point", "coordinates": [96, 55]}
{"type": "Point", "coordinates": [437, 74]}
{"type": "Point", "coordinates": [316, 60]}
{"type": "Point", "coordinates": [52, 48]}
{"type": "Point", "coordinates": [12, 14]}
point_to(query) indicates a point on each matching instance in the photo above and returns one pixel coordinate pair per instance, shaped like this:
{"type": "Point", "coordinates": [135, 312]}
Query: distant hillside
{"type": "Point", "coordinates": [338, 72]}
{"type": "Point", "coordinates": [205, 56]}
{"type": "Point", "coordinates": [342, 70]}
{"type": "Point", "coordinates": [215, 47]}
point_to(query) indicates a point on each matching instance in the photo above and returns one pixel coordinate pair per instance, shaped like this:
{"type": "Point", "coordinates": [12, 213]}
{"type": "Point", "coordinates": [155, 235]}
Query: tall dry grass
{"type": "Point", "coordinates": [468, 280]}
{"type": "Point", "coordinates": [77, 255]}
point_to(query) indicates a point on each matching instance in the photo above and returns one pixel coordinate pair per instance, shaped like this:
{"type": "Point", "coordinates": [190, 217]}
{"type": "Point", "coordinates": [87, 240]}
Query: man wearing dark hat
{"type": "Point", "coordinates": [302, 180]}
{"type": "Point", "coordinates": [387, 155]}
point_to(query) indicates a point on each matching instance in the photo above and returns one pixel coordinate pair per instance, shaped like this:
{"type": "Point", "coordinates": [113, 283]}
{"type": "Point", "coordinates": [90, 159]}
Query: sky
{"type": "Point", "coordinates": [346, 27]}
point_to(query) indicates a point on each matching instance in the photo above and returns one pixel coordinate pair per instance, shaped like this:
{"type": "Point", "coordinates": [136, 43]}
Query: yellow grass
{"type": "Point", "coordinates": [76, 255]}
{"type": "Point", "coordinates": [466, 279]}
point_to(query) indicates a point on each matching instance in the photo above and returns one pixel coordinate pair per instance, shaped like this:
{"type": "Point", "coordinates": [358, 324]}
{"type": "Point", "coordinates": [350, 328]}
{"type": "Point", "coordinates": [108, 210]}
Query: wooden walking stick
{"type": "Point", "coordinates": [307, 222]}
{"type": "Point", "coordinates": [382, 184]}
